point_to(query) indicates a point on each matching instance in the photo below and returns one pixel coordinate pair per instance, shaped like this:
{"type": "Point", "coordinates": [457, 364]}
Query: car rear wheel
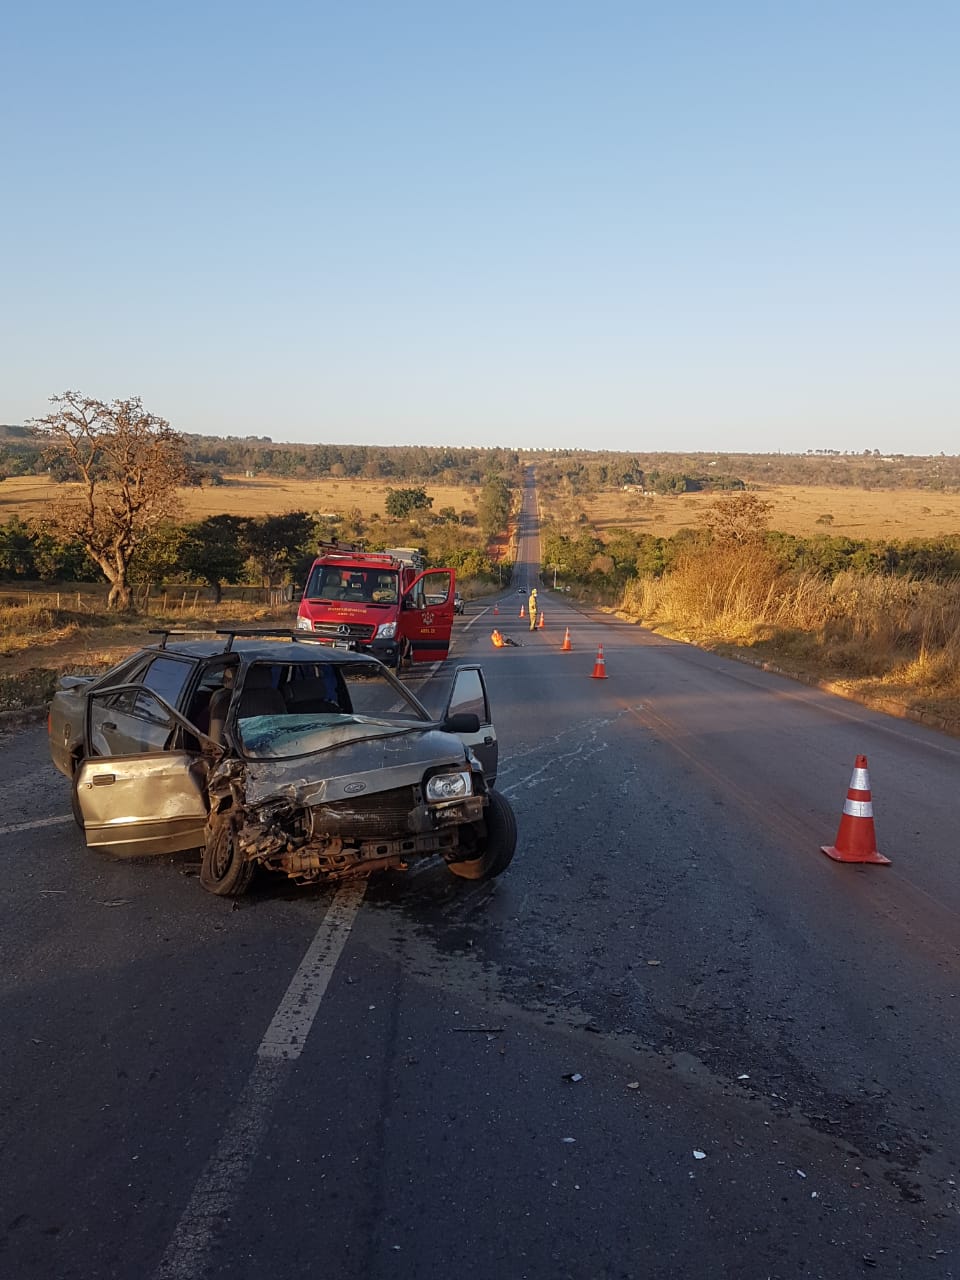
{"type": "Point", "coordinates": [224, 870]}
{"type": "Point", "coordinates": [500, 844]}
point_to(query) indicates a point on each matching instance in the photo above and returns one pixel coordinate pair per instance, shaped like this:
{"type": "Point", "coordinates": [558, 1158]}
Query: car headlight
{"type": "Point", "coordinates": [448, 786]}
{"type": "Point", "coordinates": [304, 624]}
{"type": "Point", "coordinates": [386, 630]}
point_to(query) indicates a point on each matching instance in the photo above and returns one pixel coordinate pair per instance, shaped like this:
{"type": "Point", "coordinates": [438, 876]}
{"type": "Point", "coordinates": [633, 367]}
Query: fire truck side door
{"type": "Point", "coordinates": [426, 615]}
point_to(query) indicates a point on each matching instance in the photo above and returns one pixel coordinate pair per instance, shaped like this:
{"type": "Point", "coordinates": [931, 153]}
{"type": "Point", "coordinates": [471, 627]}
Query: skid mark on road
{"type": "Point", "coordinates": [590, 744]}
{"type": "Point", "coordinates": [220, 1186]}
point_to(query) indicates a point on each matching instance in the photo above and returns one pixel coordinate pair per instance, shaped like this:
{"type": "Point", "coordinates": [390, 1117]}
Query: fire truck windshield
{"type": "Point", "coordinates": [346, 582]}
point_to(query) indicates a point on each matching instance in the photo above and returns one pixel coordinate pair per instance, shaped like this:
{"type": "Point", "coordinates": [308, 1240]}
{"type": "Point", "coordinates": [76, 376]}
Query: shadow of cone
{"type": "Point", "coordinates": [856, 840]}
{"type": "Point", "coordinates": [599, 665]}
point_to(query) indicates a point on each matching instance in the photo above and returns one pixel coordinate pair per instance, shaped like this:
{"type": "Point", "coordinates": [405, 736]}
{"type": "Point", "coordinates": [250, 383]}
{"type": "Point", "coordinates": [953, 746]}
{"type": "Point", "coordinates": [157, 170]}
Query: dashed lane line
{"type": "Point", "coordinates": [221, 1184]}
{"type": "Point", "coordinates": [13, 827]}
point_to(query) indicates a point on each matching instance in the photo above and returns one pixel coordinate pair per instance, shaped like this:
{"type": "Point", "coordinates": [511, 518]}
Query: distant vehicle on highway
{"type": "Point", "coordinates": [457, 602]}
{"type": "Point", "coordinates": [522, 591]}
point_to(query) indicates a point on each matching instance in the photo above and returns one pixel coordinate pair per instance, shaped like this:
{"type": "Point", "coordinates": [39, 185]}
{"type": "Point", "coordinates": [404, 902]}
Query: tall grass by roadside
{"type": "Point", "coordinates": [898, 633]}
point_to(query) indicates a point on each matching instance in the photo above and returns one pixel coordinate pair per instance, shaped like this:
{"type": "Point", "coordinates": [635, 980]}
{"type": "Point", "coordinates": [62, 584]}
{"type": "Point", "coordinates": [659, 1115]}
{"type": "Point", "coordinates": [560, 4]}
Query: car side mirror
{"type": "Point", "coordinates": [462, 722]}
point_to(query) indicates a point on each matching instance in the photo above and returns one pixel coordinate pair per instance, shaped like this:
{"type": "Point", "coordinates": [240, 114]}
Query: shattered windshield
{"type": "Point", "coordinates": [303, 707]}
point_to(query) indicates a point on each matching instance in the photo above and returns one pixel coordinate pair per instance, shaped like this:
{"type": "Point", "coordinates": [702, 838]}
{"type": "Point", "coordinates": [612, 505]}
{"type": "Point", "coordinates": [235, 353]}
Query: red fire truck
{"type": "Point", "coordinates": [384, 603]}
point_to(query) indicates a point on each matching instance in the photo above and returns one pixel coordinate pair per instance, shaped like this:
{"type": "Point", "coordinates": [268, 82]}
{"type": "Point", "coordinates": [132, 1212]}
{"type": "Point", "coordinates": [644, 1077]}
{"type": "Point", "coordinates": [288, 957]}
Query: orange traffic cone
{"type": "Point", "coordinates": [522, 612]}
{"type": "Point", "coordinates": [541, 624]}
{"type": "Point", "coordinates": [566, 646]}
{"type": "Point", "coordinates": [856, 841]}
{"type": "Point", "coordinates": [599, 665]}
{"type": "Point", "coordinates": [496, 608]}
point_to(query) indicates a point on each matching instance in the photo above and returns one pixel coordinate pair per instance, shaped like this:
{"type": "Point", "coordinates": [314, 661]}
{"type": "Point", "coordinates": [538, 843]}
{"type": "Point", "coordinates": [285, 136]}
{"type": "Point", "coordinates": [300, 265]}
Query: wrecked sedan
{"type": "Point", "coordinates": [278, 753]}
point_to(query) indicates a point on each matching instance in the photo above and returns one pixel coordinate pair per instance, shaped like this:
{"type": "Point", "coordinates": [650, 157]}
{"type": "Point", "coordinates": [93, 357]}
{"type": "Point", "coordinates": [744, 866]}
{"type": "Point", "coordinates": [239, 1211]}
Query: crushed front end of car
{"type": "Point", "coordinates": [378, 797]}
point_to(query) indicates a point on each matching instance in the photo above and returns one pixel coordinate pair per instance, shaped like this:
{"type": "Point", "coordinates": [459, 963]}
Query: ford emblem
{"type": "Point", "coordinates": [352, 788]}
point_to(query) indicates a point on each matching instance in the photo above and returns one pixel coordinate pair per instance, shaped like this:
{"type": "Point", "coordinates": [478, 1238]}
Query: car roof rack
{"type": "Point", "coordinates": [165, 632]}
{"type": "Point", "coordinates": [248, 633]}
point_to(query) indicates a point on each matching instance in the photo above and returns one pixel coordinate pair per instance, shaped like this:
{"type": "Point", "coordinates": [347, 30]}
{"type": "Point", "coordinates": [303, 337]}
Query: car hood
{"type": "Point", "coordinates": [350, 759]}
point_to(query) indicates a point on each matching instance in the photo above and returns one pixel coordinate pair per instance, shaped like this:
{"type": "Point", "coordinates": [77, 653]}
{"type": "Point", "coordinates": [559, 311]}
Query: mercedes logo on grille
{"type": "Point", "coordinates": [343, 629]}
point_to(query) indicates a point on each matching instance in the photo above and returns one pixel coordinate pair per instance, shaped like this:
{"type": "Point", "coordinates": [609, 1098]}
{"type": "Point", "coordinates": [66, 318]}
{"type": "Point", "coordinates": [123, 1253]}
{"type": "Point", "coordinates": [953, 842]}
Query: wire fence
{"type": "Point", "coordinates": [168, 600]}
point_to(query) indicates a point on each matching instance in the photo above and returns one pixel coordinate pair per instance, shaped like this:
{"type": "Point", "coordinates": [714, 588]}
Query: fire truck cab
{"type": "Point", "coordinates": [384, 603]}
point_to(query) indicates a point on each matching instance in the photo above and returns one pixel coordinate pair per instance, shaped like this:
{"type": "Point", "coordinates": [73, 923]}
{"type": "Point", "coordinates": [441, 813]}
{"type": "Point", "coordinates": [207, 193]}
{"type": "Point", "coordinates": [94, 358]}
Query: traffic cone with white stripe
{"type": "Point", "coordinates": [522, 613]}
{"type": "Point", "coordinates": [540, 621]}
{"type": "Point", "coordinates": [856, 840]}
{"type": "Point", "coordinates": [599, 665]}
{"type": "Point", "coordinates": [496, 608]}
{"type": "Point", "coordinates": [566, 646]}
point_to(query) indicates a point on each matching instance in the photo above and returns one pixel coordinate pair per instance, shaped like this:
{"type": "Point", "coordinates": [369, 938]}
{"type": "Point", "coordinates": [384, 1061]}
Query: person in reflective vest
{"type": "Point", "coordinates": [501, 641]}
{"type": "Point", "coordinates": [533, 608]}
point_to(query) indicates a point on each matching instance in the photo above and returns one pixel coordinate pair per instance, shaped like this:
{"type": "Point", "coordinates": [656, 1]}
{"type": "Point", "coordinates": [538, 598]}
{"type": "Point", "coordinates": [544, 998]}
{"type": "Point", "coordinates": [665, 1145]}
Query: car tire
{"type": "Point", "coordinates": [223, 869]}
{"type": "Point", "coordinates": [500, 844]}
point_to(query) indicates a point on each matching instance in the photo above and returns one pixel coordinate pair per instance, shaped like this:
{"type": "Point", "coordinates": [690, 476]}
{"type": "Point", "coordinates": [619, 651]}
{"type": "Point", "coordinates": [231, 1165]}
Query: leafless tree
{"type": "Point", "coordinates": [127, 463]}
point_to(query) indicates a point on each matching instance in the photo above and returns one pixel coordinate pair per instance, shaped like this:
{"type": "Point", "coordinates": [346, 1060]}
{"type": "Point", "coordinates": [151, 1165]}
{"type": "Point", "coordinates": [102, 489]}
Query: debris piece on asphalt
{"type": "Point", "coordinates": [699, 1155]}
{"type": "Point", "coordinates": [653, 963]}
{"type": "Point", "coordinates": [573, 1076]}
{"type": "Point", "coordinates": [743, 1077]}
{"type": "Point", "coordinates": [568, 1139]}
{"type": "Point", "coordinates": [801, 1174]}
{"type": "Point", "coordinates": [114, 902]}
{"type": "Point", "coordinates": [869, 1261]}
{"type": "Point", "coordinates": [634, 1084]}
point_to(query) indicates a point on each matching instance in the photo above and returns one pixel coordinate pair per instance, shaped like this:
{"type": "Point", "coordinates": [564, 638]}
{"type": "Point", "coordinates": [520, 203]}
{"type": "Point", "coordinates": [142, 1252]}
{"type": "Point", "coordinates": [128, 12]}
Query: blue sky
{"type": "Point", "coordinates": [628, 226]}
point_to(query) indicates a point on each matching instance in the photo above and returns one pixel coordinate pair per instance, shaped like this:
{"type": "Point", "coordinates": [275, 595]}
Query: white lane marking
{"type": "Point", "coordinates": [222, 1181]}
{"type": "Point", "coordinates": [37, 822]}
{"type": "Point", "coordinates": [287, 1033]}
{"type": "Point", "coordinates": [224, 1175]}
{"type": "Point", "coordinates": [476, 618]}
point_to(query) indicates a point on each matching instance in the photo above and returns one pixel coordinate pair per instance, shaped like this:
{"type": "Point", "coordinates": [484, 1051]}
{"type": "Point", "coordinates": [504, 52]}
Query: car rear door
{"type": "Point", "coordinates": [426, 615]}
{"type": "Point", "coordinates": [139, 791]}
{"type": "Point", "coordinates": [468, 693]}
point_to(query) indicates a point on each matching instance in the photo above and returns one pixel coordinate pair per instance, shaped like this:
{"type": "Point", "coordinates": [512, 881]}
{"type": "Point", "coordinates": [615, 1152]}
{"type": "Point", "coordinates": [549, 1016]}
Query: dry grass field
{"type": "Point", "coordinates": [856, 513]}
{"type": "Point", "coordinates": [31, 496]}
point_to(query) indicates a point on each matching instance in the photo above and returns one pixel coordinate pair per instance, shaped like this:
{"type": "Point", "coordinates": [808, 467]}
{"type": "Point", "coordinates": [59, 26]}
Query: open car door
{"type": "Point", "coordinates": [141, 788]}
{"type": "Point", "coordinates": [426, 616]}
{"type": "Point", "coordinates": [469, 694]}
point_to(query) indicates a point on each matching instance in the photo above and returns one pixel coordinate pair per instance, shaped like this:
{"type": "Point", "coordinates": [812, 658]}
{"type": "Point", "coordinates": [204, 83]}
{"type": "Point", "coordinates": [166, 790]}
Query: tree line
{"type": "Point", "coordinates": [208, 458]}
{"type": "Point", "coordinates": [118, 517]}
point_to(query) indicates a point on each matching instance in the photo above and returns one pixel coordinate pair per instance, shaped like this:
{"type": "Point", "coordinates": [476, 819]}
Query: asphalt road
{"type": "Point", "coordinates": [767, 1041]}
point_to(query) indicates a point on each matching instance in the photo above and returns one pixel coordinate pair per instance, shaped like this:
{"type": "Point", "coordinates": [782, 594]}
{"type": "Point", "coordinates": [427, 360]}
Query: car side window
{"type": "Point", "coordinates": [469, 695]}
{"type": "Point", "coordinates": [168, 677]}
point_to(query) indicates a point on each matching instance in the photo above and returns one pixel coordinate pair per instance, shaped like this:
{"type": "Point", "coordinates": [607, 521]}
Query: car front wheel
{"type": "Point", "coordinates": [500, 843]}
{"type": "Point", "coordinates": [224, 870]}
